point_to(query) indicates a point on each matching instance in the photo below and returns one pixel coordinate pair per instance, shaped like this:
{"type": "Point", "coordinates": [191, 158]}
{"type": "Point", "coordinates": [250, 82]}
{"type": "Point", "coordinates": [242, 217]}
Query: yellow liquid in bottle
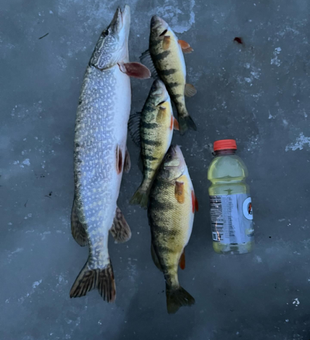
{"type": "Point", "coordinates": [227, 174]}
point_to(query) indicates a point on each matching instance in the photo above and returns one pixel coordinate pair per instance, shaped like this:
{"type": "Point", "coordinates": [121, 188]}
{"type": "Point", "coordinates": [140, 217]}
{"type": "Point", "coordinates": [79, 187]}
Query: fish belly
{"type": "Point", "coordinates": [101, 127]}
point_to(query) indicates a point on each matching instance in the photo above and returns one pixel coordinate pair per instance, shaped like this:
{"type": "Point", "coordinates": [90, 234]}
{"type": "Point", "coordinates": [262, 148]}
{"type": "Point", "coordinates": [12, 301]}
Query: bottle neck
{"type": "Point", "coordinates": [225, 152]}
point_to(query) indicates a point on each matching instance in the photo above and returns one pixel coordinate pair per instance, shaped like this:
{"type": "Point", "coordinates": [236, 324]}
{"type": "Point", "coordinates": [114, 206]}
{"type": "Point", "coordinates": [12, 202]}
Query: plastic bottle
{"type": "Point", "coordinates": [230, 201]}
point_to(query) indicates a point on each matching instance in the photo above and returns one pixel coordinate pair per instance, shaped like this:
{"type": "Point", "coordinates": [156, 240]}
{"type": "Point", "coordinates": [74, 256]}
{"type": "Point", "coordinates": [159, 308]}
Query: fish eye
{"type": "Point", "coordinates": [163, 33]}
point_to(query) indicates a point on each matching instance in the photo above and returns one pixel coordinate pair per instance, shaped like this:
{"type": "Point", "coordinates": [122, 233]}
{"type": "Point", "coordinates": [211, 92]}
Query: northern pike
{"type": "Point", "coordinates": [166, 54]}
{"type": "Point", "coordinates": [172, 204]}
{"type": "Point", "coordinates": [100, 154]}
{"type": "Point", "coordinates": [154, 133]}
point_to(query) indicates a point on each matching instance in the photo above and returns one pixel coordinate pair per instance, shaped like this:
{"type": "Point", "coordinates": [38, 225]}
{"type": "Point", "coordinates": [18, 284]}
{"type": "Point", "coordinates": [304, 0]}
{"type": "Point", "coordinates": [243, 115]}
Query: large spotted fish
{"type": "Point", "coordinates": [100, 154]}
{"type": "Point", "coordinates": [171, 209]}
{"type": "Point", "coordinates": [166, 54]}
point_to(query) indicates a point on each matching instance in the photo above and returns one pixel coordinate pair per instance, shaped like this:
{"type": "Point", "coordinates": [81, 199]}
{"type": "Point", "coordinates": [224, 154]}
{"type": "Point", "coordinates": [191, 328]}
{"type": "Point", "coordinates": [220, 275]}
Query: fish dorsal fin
{"type": "Point", "coordinates": [134, 127]}
{"type": "Point", "coordinates": [146, 59]}
{"type": "Point", "coordinates": [135, 70]}
{"type": "Point", "coordinates": [190, 90]}
{"type": "Point", "coordinates": [120, 229]}
{"type": "Point", "coordinates": [186, 48]}
{"type": "Point", "coordinates": [182, 260]}
{"type": "Point", "coordinates": [179, 192]}
{"type": "Point", "coordinates": [166, 42]}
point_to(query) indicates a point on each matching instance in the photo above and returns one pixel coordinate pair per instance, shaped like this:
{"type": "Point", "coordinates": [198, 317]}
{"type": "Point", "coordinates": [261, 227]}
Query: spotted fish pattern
{"type": "Point", "coordinates": [99, 157]}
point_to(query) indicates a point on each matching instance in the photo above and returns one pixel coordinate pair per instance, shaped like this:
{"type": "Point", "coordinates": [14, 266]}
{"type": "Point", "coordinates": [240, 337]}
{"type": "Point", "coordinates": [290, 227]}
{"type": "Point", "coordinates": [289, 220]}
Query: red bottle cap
{"type": "Point", "coordinates": [225, 144]}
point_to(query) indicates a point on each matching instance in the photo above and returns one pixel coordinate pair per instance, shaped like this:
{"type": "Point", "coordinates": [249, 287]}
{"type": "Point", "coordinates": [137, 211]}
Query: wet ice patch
{"type": "Point", "coordinates": [26, 161]}
{"type": "Point", "coordinates": [276, 61]}
{"type": "Point", "coordinates": [300, 143]}
{"type": "Point", "coordinates": [179, 15]}
{"type": "Point", "coordinates": [34, 287]}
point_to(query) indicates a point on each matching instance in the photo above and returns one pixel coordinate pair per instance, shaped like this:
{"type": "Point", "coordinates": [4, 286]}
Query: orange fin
{"type": "Point", "coordinates": [176, 124]}
{"type": "Point", "coordinates": [171, 123]}
{"type": "Point", "coordinates": [136, 70]}
{"type": "Point", "coordinates": [194, 202]}
{"type": "Point", "coordinates": [166, 42]}
{"type": "Point", "coordinates": [179, 192]}
{"type": "Point", "coordinates": [182, 260]}
{"type": "Point", "coordinates": [119, 160]}
{"type": "Point", "coordinates": [186, 48]}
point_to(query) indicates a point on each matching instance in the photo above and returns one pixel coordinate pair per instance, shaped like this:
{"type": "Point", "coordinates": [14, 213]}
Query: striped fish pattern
{"type": "Point", "coordinates": [166, 52]}
{"type": "Point", "coordinates": [172, 205]}
{"type": "Point", "coordinates": [156, 124]}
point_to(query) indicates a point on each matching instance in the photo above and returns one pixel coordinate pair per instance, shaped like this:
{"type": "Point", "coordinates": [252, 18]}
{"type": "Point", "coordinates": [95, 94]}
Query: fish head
{"type": "Point", "coordinates": [173, 165]}
{"type": "Point", "coordinates": [112, 46]}
{"type": "Point", "coordinates": [159, 93]}
{"type": "Point", "coordinates": [159, 28]}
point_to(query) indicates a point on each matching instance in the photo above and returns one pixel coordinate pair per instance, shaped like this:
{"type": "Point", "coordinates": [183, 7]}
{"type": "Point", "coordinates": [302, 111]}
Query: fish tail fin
{"type": "Point", "coordinates": [88, 279]}
{"type": "Point", "coordinates": [177, 298]}
{"type": "Point", "coordinates": [141, 196]}
{"type": "Point", "coordinates": [186, 122]}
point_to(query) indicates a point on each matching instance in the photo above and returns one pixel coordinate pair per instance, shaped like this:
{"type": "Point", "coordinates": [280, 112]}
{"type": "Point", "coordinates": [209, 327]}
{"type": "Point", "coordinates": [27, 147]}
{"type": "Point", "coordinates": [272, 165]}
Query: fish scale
{"type": "Point", "coordinates": [100, 154]}
{"type": "Point", "coordinates": [171, 217]}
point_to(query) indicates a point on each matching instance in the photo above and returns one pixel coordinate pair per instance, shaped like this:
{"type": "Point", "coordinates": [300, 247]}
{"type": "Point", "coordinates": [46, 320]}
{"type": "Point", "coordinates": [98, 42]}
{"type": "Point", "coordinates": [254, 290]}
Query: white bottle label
{"type": "Point", "coordinates": [231, 218]}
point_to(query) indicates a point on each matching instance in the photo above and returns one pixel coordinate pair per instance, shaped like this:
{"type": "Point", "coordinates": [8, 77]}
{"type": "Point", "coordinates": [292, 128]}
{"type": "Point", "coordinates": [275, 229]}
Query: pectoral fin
{"type": "Point", "coordinates": [190, 90]}
{"type": "Point", "coordinates": [186, 48]}
{"type": "Point", "coordinates": [118, 159]}
{"type": "Point", "coordinates": [166, 42]}
{"type": "Point", "coordinates": [179, 192]}
{"type": "Point", "coordinates": [161, 114]}
{"type": "Point", "coordinates": [136, 70]}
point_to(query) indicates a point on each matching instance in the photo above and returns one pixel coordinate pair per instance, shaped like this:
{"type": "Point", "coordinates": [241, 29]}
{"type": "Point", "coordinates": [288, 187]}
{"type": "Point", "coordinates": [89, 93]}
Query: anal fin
{"type": "Point", "coordinates": [120, 229]}
{"type": "Point", "coordinates": [77, 229]}
{"type": "Point", "coordinates": [182, 260]}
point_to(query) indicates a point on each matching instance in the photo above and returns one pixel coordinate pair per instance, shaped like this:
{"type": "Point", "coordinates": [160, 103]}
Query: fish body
{"type": "Point", "coordinates": [156, 124]}
{"type": "Point", "coordinates": [99, 155]}
{"type": "Point", "coordinates": [172, 205]}
{"type": "Point", "coordinates": [167, 56]}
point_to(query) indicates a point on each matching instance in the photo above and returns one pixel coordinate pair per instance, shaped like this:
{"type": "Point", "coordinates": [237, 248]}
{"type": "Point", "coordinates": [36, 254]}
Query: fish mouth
{"type": "Point", "coordinates": [121, 19]}
{"type": "Point", "coordinates": [158, 23]}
